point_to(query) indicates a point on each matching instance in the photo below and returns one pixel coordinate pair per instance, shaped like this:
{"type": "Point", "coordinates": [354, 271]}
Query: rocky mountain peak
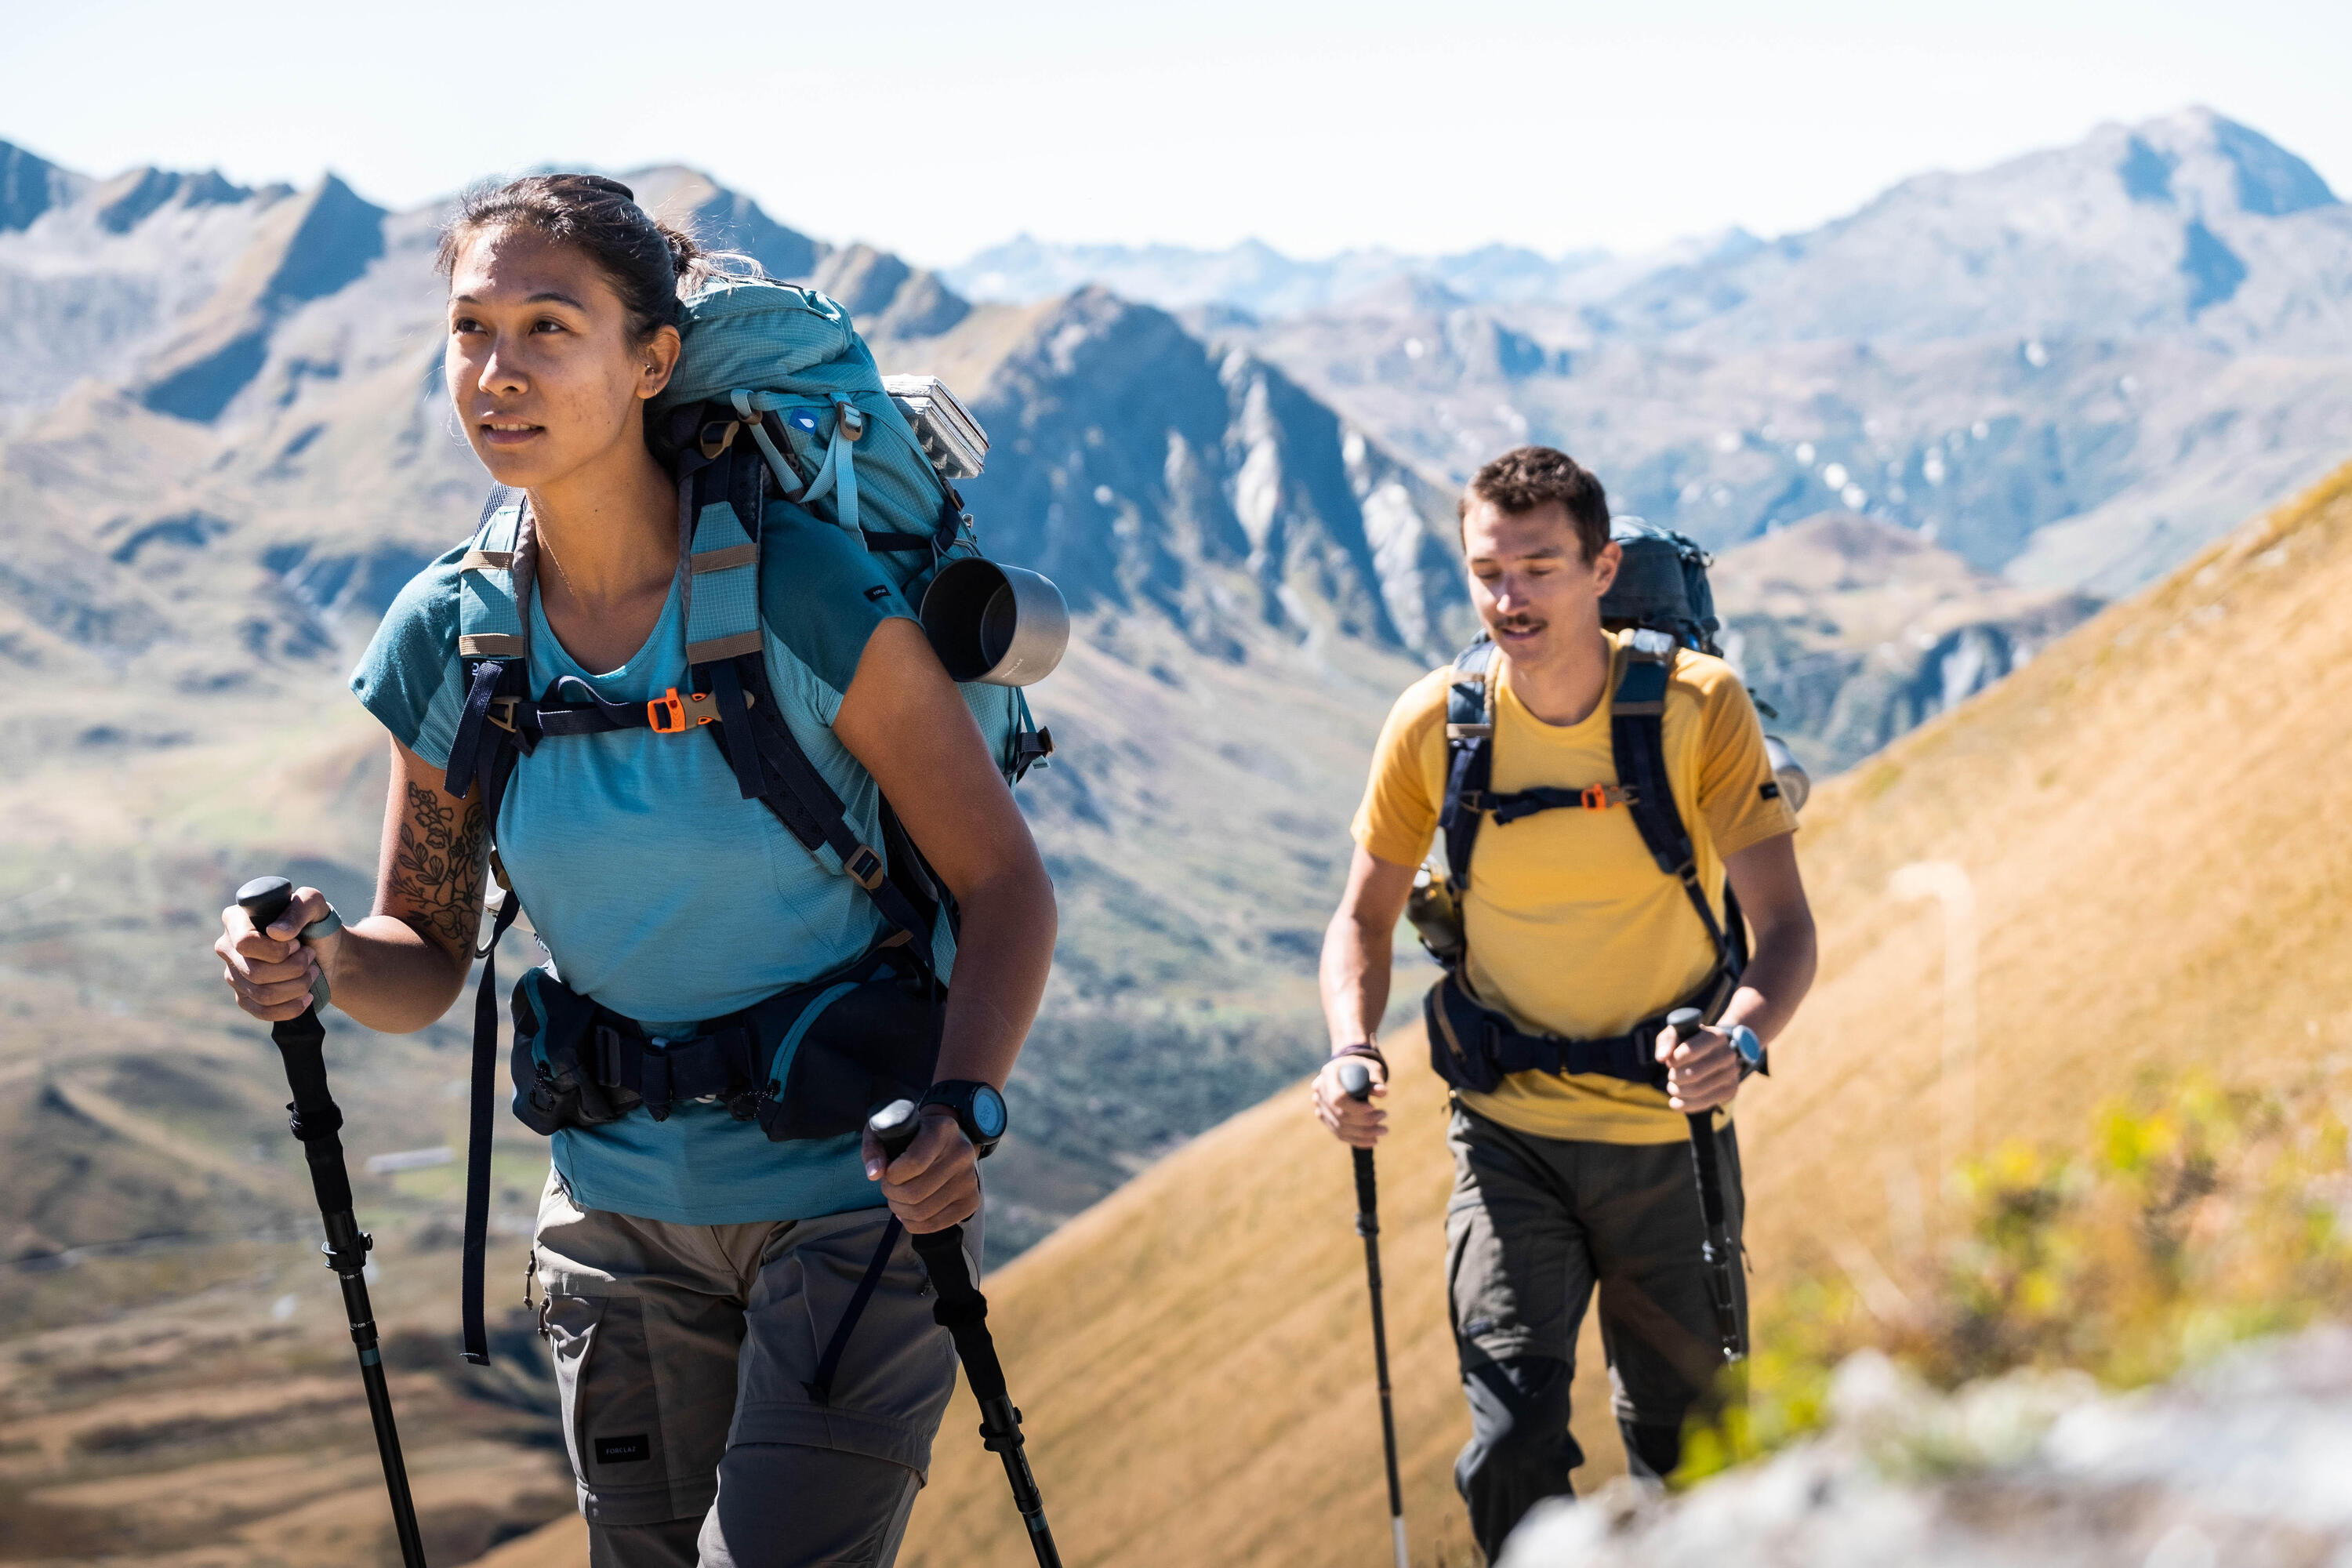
{"type": "Point", "coordinates": [723, 219]}
{"type": "Point", "coordinates": [305, 249]}
{"type": "Point", "coordinates": [129, 199]}
{"type": "Point", "coordinates": [30, 186]}
{"type": "Point", "coordinates": [2135, 230]}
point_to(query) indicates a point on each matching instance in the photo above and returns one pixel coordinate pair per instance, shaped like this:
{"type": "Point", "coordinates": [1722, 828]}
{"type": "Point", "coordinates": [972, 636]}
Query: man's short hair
{"type": "Point", "coordinates": [1525, 478]}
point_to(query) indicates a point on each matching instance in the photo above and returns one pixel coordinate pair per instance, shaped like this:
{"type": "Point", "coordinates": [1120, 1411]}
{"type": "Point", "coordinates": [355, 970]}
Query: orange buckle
{"type": "Point", "coordinates": [670, 714]}
{"type": "Point", "coordinates": [1600, 797]}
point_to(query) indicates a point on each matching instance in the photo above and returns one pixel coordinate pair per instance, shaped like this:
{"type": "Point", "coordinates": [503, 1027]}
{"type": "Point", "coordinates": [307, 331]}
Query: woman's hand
{"type": "Point", "coordinates": [270, 970]}
{"type": "Point", "coordinates": [936, 1182]}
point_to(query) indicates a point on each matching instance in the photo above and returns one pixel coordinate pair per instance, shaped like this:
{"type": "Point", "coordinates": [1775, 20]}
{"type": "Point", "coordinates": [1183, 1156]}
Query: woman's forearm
{"type": "Point", "coordinates": [389, 978]}
{"type": "Point", "coordinates": [1002, 955]}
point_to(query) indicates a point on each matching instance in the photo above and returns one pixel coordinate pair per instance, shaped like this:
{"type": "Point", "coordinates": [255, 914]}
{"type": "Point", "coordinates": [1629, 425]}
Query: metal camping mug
{"type": "Point", "coordinates": [1002, 625]}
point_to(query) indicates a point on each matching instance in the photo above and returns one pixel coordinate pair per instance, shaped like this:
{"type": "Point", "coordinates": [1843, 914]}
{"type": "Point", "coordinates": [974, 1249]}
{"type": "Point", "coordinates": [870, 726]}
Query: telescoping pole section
{"type": "Point", "coordinates": [962, 1311]}
{"type": "Point", "coordinates": [317, 1121]}
{"type": "Point", "coordinates": [1355, 1082]}
{"type": "Point", "coordinates": [1716, 1251]}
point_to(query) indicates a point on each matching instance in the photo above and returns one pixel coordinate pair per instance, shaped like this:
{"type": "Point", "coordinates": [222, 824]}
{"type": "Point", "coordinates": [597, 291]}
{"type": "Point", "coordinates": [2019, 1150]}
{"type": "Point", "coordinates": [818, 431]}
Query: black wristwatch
{"type": "Point", "coordinates": [1749, 1049]}
{"type": "Point", "coordinates": [979, 1110]}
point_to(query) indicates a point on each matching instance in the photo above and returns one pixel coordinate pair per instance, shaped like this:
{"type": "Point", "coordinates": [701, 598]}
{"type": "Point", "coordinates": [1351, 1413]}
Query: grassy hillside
{"type": "Point", "coordinates": [2150, 816]}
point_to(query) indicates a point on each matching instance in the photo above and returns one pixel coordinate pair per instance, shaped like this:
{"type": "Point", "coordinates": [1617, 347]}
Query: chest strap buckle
{"type": "Point", "coordinates": [670, 714]}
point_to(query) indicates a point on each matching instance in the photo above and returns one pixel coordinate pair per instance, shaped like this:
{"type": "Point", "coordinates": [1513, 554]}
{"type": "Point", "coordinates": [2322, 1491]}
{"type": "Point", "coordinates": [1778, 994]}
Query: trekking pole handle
{"type": "Point", "coordinates": [1355, 1080]}
{"type": "Point", "coordinates": [1686, 1022]}
{"type": "Point", "coordinates": [895, 1125]}
{"type": "Point", "coordinates": [264, 899]}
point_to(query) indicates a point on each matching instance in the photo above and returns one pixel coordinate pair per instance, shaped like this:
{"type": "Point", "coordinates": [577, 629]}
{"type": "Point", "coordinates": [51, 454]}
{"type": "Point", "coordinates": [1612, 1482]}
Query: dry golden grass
{"type": "Point", "coordinates": [2153, 819]}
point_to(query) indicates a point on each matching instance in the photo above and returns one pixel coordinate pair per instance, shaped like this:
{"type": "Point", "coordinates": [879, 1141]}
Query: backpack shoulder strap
{"type": "Point", "coordinates": [1470, 755]}
{"type": "Point", "coordinates": [719, 506]}
{"type": "Point", "coordinates": [1637, 737]}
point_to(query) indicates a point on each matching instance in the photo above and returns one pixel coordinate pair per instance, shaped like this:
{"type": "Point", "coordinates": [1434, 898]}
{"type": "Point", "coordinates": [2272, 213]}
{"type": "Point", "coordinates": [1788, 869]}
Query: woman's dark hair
{"type": "Point", "coordinates": [650, 262]}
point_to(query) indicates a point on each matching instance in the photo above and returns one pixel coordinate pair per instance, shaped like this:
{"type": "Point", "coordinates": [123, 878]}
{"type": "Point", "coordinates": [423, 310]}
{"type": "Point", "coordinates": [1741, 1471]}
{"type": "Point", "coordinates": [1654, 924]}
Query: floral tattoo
{"type": "Point", "coordinates": [435, 882]}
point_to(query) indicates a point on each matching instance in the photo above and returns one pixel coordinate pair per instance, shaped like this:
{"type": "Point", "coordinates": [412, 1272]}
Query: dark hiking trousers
{"type": "Point", "coordinates": [1535, 1225]}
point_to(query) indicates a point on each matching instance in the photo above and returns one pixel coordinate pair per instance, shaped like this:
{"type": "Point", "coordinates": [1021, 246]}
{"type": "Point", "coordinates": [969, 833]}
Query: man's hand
{"type": "Point", "coordinates": [1701, 1072]}
{"type": "Point", "coordinates": [936, 1182]}
{"type": "Point", "coordinates": [1360, 1123]}
{"type": "Point", "coordinates": [270, 972]}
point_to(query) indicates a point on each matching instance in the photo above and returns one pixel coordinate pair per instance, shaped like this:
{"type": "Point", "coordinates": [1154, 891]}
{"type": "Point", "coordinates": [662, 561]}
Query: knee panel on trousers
{"type": "Point", "coordinates": [1519, 1451]}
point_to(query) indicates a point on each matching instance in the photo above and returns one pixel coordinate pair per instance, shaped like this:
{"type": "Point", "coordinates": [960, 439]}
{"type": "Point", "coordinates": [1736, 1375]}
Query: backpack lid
{"type": "Point", "coordinates": [748, 333]}
{"type": "Point", "coordinates": [1661, 582]}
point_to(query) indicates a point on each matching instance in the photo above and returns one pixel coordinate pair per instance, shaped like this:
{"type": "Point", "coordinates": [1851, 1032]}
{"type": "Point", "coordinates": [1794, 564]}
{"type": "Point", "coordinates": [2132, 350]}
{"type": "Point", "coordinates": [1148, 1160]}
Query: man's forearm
{"type": "Point", "coordinates": [1355, 972]}
{"type": "Point", "coordinates": [1776, 981]}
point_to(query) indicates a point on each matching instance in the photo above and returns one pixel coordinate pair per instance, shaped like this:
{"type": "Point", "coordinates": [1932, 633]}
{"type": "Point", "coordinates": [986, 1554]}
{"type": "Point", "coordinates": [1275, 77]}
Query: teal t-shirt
{"type": "Point", "coordinates": [656, 889]}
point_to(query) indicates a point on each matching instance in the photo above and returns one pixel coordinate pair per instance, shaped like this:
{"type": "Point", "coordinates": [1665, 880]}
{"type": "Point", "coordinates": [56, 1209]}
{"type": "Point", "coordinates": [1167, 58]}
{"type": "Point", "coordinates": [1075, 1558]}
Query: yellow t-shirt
{"type": "Point", "coordinates": [1573, 929]}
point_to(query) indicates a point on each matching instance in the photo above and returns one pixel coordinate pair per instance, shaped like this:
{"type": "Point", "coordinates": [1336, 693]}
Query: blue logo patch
{"type": "Point", "coordinates": [805, 418]}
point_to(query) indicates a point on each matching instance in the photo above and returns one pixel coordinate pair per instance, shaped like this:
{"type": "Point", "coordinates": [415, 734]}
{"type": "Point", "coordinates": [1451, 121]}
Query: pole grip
{"type": "Point", "coordinates": [1367, 1193]}
{"type": "Point", "coordinates": [264, 900]}
{"type": "Point", "coordinates": [1355, 1080]}
{"type": "Point", "coordinates": [893, 1126]}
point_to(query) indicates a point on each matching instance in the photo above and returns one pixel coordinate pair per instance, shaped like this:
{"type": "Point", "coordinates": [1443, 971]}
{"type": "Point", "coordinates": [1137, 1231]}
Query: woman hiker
{"type": "Point", "coordinates": [695, 1270]}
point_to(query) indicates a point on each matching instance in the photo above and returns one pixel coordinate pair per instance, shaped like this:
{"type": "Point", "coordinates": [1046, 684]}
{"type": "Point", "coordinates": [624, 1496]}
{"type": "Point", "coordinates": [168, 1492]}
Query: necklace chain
{"type": "Point", "coordinates": [548, 551]}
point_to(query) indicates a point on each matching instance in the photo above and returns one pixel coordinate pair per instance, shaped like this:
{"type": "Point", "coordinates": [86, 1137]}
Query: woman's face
{"type": "Point", "coordinates": [542, 366]}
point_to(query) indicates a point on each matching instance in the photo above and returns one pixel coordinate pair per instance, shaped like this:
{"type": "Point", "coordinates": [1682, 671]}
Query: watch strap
{"type": "Point", "coordinates": [1760, 1063]}
{"type": "Point", "coordinates": [955, 1095]}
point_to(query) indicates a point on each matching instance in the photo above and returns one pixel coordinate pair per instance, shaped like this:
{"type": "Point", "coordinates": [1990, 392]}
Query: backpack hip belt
{"type": "Point", "coordinates": [1476, 1047]}
{"type": "Point", "coordinates": [806, 1062]}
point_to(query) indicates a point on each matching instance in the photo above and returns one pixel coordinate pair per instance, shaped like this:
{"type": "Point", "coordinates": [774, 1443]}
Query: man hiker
{"type": "Point", "coordinates": [1570, 1130]}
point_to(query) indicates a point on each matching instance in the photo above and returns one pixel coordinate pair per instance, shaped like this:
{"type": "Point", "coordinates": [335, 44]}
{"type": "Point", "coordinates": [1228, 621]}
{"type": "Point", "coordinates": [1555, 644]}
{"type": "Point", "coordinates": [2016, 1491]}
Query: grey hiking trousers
{"type": "Point", "coordinates": [1534, 1227]}
{"type": "Point", "coordinates": [684, 1356]}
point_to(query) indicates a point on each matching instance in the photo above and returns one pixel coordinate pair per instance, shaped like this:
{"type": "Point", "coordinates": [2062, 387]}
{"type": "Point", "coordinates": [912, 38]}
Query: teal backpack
{"type": "Point", "coordinates": [774, 397]}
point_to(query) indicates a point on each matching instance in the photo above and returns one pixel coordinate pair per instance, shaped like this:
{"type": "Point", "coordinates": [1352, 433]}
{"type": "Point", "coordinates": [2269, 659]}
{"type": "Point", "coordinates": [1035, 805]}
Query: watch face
{"type": "Point", "coordinates": [988, 1111]}
{"type": "Point", "coordinates": [1748, 1045]}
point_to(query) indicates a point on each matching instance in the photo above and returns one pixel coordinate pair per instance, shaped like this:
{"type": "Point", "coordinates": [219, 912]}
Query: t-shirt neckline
{"type": "Point", "coordinates": [563, 663]}
{"type": "Point", "coordinates": [1505, 694]}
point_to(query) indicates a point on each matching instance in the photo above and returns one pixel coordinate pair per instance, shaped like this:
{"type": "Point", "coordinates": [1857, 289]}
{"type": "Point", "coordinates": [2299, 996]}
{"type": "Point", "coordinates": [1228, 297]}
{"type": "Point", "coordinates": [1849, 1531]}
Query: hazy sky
{"type": "Point", "coordinates": [937, 128]}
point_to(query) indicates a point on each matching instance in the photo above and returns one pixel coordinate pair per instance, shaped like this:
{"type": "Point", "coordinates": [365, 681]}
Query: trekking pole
{"type": "Point", "coordinates": [962, 1311]}
{"type": "Point", "coordinates": [316, 1122]}
{"type": "Point", "coordinates": [1355, 1082]}
{"type": "Point", "coordinates": [1716, 1249]}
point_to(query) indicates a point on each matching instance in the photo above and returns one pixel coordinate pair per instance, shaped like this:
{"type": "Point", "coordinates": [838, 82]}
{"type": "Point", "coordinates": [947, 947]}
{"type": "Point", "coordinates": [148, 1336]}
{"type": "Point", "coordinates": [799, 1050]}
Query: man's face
{"type": "Point", "coordinates": [1530, 581]}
